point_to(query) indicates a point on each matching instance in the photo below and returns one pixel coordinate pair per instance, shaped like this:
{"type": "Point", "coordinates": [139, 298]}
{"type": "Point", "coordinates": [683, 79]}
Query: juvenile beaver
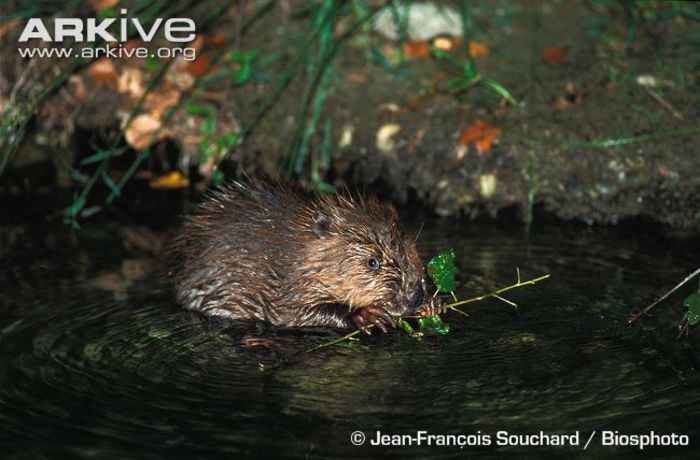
{"type": "Point", "coordinates": [273, 253]}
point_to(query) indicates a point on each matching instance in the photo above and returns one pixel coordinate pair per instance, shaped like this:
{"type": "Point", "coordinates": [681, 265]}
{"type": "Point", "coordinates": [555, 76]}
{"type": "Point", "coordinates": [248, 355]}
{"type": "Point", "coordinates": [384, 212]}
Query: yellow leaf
{"type": "Point", "coordinates": [171, 180]}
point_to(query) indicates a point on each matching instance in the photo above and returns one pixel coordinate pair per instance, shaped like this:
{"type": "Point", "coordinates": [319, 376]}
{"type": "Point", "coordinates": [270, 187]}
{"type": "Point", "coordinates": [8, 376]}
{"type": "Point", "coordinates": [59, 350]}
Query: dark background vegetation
{"type": "Point", "coordinates": [591, 108]}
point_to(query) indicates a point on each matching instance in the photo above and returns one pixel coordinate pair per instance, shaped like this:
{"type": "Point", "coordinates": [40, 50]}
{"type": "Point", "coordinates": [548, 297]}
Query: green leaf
{"type": "Point", "coordinates": [442, 271]}
{"type": "Point", "coordinates": [196, 109]}
{"type": "Point", "coordinates": [693, 304]}
{"type": "Point", "coordinates": [75, 207]}
{"type": "Point", "coordinates": [245, 69]}
{"type": "Point", "coordinates": [150, 63]}
{"type": "Point", "coordinates": [433, 325]}
{"type": "Point", "coordinates": [405, 326]}
{"type": "Point", "coordinates": [208, 125]}
{"type": "Point", "coordinates": [217, 177]}
{"type": "Point", "coordinates": [228, 141]}
{"type": "Point", "coordinates": [100, 155]}
{"type": "Point", "coordinates": [110, 183]}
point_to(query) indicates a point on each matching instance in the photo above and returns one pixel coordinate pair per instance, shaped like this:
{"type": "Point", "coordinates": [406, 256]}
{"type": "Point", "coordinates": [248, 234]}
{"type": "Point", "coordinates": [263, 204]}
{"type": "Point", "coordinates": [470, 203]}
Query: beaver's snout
{"type": "Point", "coordinates": [419, 296]}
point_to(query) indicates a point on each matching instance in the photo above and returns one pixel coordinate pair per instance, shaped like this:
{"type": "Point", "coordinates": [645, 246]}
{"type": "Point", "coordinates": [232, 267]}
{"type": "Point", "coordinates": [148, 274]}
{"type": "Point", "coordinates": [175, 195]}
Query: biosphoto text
{"type": "Point", "coordinates": [112, 37]}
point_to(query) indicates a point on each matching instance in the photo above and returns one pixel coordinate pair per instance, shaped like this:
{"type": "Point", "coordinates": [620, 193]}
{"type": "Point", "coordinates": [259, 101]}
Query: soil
{"type": "Point", "coordinates": [655, 179]}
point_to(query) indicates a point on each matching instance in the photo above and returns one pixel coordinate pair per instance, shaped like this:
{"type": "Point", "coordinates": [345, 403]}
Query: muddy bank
{"type": "Point", "coordinates": [602, 125]}
{"type": "Point", "coordinates": [400, 133]}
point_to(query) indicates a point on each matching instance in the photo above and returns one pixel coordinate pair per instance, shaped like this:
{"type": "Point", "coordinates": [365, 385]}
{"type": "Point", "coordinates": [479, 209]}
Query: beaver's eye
{"type": "Point", "coordinates": [373, 264]}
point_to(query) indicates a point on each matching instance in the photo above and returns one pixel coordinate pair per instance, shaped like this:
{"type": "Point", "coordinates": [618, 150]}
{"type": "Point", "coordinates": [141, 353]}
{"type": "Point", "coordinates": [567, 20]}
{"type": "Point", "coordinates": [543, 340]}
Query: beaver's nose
{"type": "Point", "coordinates": [418, 295]}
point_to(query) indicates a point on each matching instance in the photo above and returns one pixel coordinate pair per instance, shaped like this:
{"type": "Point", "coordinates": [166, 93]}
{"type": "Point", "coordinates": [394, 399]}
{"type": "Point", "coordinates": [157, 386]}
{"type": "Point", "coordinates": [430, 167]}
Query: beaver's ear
{"type": "Point", "coordinates": [322, 225]}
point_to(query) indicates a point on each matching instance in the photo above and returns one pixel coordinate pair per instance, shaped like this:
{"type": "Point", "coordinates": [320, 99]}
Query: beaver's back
{"type": "Point", "coordinates": [237, 244]}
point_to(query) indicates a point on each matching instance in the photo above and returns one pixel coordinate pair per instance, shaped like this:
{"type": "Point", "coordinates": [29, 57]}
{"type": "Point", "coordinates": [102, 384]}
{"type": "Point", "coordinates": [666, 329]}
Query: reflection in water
{"type": "Point", "coordinates": [87, 371]}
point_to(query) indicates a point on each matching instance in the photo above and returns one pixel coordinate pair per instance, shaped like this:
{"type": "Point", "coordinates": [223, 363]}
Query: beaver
{"type": "Point", "coordinates": [290, 257]}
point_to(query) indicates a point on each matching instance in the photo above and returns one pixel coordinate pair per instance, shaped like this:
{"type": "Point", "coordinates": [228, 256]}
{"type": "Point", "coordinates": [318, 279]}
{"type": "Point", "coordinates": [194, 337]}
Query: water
{"type": "Point", "coordinates": [97, 365]}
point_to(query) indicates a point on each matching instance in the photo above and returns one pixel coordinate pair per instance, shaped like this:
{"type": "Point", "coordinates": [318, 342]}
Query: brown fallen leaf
{"type": "Point", "coordinates": [158, 101]}
{"type": "Point", "coordinates": [571, 99]}
{"type": "Point", "coordinates": [553, 55]}
{"type": "Point", "coordinates": [416, 49]}
{"type": "Point", "coordinates": [143, 131]}
{"type": "Point", "coordinates": [477, 49]}
{"type": "Point", "coordinates": [480, 133]}
{"type": "Point", "coordinates": [102, 71]}
{"type": "Point", "coordinates": [201, 66]}
{"type": "Point", "coordinates": [131, 82]}
{"type": "Point", "coordinates": [215, 40]}
{"type": "Point", "coordinates": [171, 180]}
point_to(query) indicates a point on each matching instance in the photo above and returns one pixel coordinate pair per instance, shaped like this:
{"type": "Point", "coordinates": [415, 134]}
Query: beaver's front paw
{"type": "Point", "coordinates": [434, 306]}
{"type": "Point", "coordinates": [374, 314]}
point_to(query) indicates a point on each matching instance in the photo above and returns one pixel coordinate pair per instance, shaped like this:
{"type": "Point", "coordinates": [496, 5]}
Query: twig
{"type": "Point", "coordinates": [452, 306]}
{"type": "Point", "coordinates": [635, 317]}
{"type": "Point", "coordinates": [664, 103]}
{"type": "Point", "coordinates": [495, 293]}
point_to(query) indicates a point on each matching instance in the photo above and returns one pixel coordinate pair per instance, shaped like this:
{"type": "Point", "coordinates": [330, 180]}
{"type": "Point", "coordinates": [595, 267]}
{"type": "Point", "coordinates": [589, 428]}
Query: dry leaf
{"type": "Point", "coordinates": [102, 71]}
{"type": "Point", "coordinates": [487, 185]}
{"type": "Point", "coordinates": [572, 98]}
{"type": "Point", "coordinates": [385, 134]}
{"type": "Point", "coordinates": [480, 133]}
{"type": "Point", "coordinates": [215, 40]}
{"type": "Point", "coordinates": [143, 131]}
{"type": "Point", "coordinates": [446, 43]}
{"type": "Point", "coordinates": [101, 5]}
{"type": "Point", "coordinates": [416, 49]}
{"type": "Point", "coordinates": [201, 66]}
{"type": "Point", "coordinates": [477, 49]}
{"type": "Point", "coordinates": [553, 55]}
{"type": "Point", "coordinates": [157, 101]}
{"type": "Point", "coordinates": [131, 82]}
{"type": "Point", "coordinates": [171, 180]}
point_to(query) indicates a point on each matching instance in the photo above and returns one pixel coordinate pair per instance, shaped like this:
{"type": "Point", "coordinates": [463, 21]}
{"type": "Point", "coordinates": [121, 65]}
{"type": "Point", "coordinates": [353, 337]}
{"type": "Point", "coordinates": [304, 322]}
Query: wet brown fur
{"type": "Point", "coordinates": [281, 255]}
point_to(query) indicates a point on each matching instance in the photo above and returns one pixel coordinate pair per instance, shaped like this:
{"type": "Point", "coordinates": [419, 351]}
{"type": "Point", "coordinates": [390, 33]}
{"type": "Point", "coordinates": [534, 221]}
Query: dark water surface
{"type": "Point", "coordinates": [93, 366]}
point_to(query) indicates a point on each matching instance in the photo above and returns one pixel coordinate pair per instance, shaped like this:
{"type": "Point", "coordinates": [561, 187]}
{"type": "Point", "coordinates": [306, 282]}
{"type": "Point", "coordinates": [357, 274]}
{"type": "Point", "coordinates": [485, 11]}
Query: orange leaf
{"type": "Point", "coordinates": [553, 55]}
{"type": "Point", "coordinates": [573, 98]}
{"type": "Point", "coordinates": [171, 180]}
{"type": "Point", "coordinates": [480, 133]}
{"type": "Point", "coordinates": [477, 49]}
{"type": "Point", "coordinates": [215, 40]}
{"type": "Point", "coordinates": [101, 5]}
{"type": "Point", "coordinates": [201, 66]}
{"type": "Point", "coordinates": [416, 49]}
{"type": "Point", "coordinates": [102, 71]}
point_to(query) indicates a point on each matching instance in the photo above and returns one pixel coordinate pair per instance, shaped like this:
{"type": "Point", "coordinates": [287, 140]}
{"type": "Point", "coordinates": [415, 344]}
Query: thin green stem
{"type": "Point", "coordinates": [452, 306]}
{"type": "Point", "coordinates": [497, 292]}
{"type": "Point", "coordinates": [634, 139]}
